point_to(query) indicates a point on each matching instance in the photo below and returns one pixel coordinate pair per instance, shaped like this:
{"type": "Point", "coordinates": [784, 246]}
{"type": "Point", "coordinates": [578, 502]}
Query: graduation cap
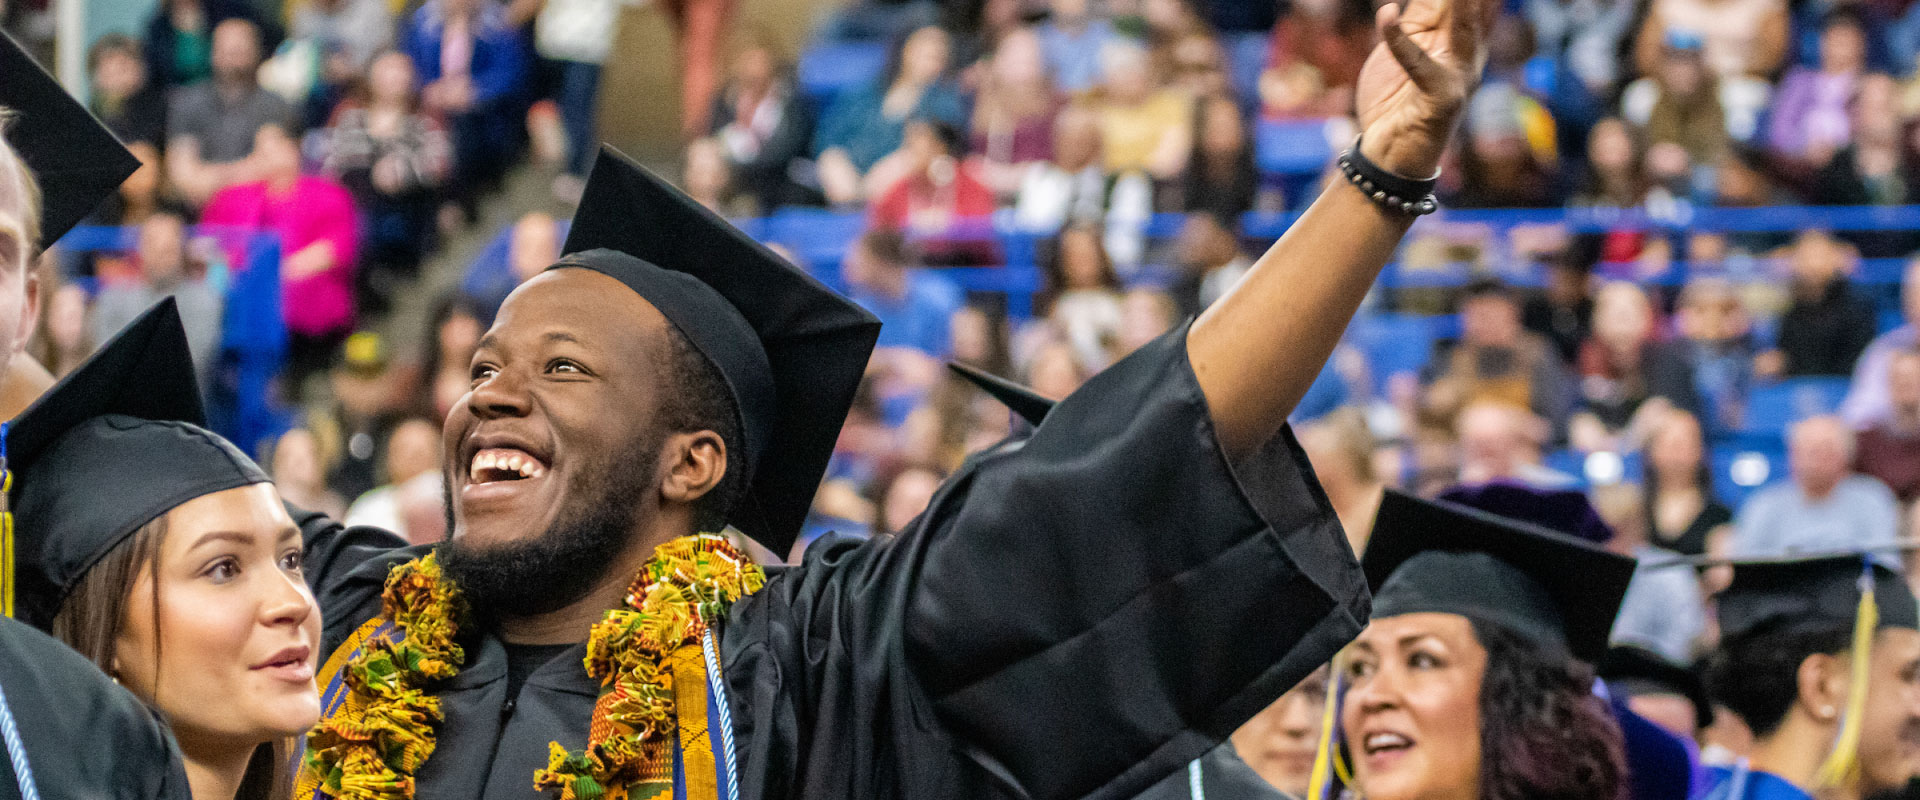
{"type": "Point", "coordinates": [1027, 403]}
{"type": "Point", "coordinates": [790, 350]}
{"type": "Point", "coordinates": [111, 447]}
{"type": "Point", "coordinates": [1631, 670]}
{"type": "Point", "coordinates": [76, 160]}
{"type": "Point", "coordinates": [1438, 556]}
{"type": "Point", "coordinates": [1807, 592]}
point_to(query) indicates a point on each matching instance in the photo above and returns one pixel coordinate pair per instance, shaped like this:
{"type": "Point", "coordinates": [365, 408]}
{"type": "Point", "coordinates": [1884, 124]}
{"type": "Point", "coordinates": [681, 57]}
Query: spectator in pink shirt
{"type": "Point", "coordinates": [315, 220]}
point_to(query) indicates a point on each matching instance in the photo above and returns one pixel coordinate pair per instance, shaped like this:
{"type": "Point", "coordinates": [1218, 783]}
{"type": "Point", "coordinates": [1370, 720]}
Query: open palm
{"type": "Point", "coordinates": [1417, 80]}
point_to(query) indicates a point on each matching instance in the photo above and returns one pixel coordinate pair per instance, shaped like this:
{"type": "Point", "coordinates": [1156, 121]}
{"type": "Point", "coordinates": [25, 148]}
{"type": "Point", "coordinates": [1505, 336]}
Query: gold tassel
{"type": "Point", "coordinates": [1842, 763]}
{"type": "Point", "coordinates": [1326, 757]}
{"type": "Point", "coordinates": [6, 534]}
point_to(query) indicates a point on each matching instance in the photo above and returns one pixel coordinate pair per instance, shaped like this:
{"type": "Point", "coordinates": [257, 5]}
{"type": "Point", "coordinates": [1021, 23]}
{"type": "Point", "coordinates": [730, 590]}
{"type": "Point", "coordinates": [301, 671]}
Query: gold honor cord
{"type": "Point", "coordinates": [6, 529]}
{"type": "Point", "coordinates": [1842, 764]}
{"type": "Point", "coordinates": [1327, 763]}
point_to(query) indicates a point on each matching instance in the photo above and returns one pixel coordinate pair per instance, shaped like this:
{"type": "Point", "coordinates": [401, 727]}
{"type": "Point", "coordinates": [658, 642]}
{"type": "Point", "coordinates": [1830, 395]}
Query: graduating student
{"type": "Point", "coordinates": [1821, 658]}
{"type": "Point", "coordinates": [1076, 617]}
{"type": "Point", "coordinates": [1472, 681]}
{"type": "Point", "coordinates": [65, 730]}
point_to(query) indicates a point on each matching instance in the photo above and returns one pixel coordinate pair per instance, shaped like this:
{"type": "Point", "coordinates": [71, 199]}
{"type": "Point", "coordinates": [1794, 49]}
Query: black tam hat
{"type": "Point", "coordinates": [111, 447]}
{"type": "Point", "coordinates": [790, 350]}
{"type": "Point", "coordinates": [1777, 595]}
{"type": "Point", "coordinates": [1436, 556]}
{"type": "Point", "coordinates": [76, 160]}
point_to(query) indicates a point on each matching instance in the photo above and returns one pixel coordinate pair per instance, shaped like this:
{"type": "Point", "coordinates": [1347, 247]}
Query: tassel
{"type": "Point", "coordinates": [6, 528]}
{"type": "Point", "coordinates": [1326, 757]}
{"type": "Point", "coordinates": [1842, 763]}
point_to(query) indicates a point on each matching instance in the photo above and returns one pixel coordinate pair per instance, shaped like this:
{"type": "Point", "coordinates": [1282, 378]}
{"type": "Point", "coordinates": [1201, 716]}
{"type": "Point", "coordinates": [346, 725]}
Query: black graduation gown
{"type": "Point", "coordinates": [1218, 775]}
{"type": "Point", "coordinates": [1076, 616]}
{"type": "Point", "coordinates": [84, 738]}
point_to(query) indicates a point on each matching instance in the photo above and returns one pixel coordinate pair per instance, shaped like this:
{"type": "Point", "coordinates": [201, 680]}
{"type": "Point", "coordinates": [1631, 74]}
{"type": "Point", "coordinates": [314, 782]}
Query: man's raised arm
{"type": "Point", "coordinates": [1257, 349]}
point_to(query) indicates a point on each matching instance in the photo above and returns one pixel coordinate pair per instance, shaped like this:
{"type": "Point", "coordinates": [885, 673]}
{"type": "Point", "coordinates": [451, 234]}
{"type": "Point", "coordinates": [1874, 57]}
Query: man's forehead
{"type": "Point", "coordinates": [588, 305]}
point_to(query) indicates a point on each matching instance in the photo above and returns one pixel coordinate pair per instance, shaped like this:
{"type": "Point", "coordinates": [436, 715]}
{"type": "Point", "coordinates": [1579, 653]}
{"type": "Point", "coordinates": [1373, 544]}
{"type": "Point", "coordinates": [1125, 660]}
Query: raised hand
{"type": "Point", "coordinates": [1416, 82]}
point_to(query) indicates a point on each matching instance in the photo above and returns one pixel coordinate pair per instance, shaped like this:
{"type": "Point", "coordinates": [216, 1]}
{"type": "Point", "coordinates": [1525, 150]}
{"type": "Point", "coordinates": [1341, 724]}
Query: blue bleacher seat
{"type": "Point", "coordinates": [827, 70]}
{"type": "Point", "coordinates": [1773, 406]}
{"type": "Point", "coordinates": [1395, 343]}
{"type": "Point", "coordinates": [1291, 147]}
{"type": "Point", "coordinates": [818, 236]}
{"type": "Point", "coordinates": [1740, 471]}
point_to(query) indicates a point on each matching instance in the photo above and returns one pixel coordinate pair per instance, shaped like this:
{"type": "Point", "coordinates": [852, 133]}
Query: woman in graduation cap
{"type": "Point", "coordinates": [1470, 682]}
{"type": "Point", "coordinates": [1821, 658]}
{"type": "Point", "coordinates": [162, 553]}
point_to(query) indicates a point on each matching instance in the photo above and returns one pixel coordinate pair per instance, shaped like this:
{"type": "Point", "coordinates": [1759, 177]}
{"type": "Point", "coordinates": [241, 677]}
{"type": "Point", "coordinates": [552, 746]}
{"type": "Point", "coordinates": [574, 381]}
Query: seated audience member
{"type": "Point", "coordinates": [393, 158]}
{"type": "Point", "coordinates": [362, 408]}
{"type": "Point", "coordinates": [124, 95]}
{"type": "Point", "coordinates": [1055, 372]}
{"type": "Point", "coordinates": [348, 33]}
{"type": "Point", "coordinates": [1211, 261]}
{"type": "Point", "coordinates": [530, 247]}
{"type": "Point", "coordinates": [62, 340]}
{"type": "Point", "coordinates": [864, 125]}
{"type": "Point", "coordinates": [319, 242]}
{"type": "Point", "coordinates": [179, 42]}
{"type": "Point", "coordinates": [1678, 106]}
{"type": "Point", "coordinates": [935, 200]}
{"type": "Point", "coordinates": [1220, 176]}
{"type": "Point", "coordinates": [764, 126]}
{"type": "Point", "coordinates": [473, 68]}
{"type": "Point", "coordinates": [1743, 42]}
{"type": "Point", "coordinates": [1341, 449]}
{"type": "Point", "coordinates": [916, 305]}
{"type": "Point", "coordinates": [1508, 158]}
{"type": "Point", "coordinates": [1825, 507]}
{"type": "Point", "coordinates": [1873, 167]}
{"type": "Point", "coordinates": [1013, 115]}
{"type": "Point", "coordinates": [1627, 375]}
{"type": "Point", "coordinates": [413, 449]}
{"type": "Point", "coordinates": [902, 496]}
{"type": "Point", "coordinates": [1828, 324]}
{"type": "Point", "coordinates": [1145, 314]}
{"type": "Point", "coordinates": [165, 271]}
{"type": "Point", "coordinates": [1616, 171]}
{"type": "Point", "coordinates": [1563, 310]}
{"type": "Point", "coordinates": [1497, 359]}
{"type": "Point", "coordinates": [1868, 402]}
{"type": "Point", "coordinates": [1500, 441]}
{"type": "Point", "coordinates": [299, 468]}
{"type": "Point", "coordinates": [1890, 450]}
{"type": "Point", "coordinates": [1809, 119]}
{"type": "Point", "coordinates": [1682, 515]}
{"type": "Point", "coordinates": [1072, 37]}
{"type": "Point", "coordinates": [1716, 338]}
{"type": "Point", "coordinates": [708, 178]}
{"type": "Point", "coordinates": [1072, 187]}
{"type": "Point", "coordinates": [1314, 59]}
{"type": "Point", "coordinates": [1082, 297]}
{"type": "Point", "coordinates": [1280, 742]}
{"type": "Point", "coordinates": [211, 125]}
{"type": "Point", "coordinates": [1144, 129]}
{"type": "Point", "coordinates": [454, 328]}
{"type": "Point", "coordinates": [1585, 38]}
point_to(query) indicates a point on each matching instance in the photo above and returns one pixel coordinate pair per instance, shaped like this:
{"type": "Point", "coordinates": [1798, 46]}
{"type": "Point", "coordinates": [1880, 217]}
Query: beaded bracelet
{"type": "Point", "coordinates": [1405, 195]}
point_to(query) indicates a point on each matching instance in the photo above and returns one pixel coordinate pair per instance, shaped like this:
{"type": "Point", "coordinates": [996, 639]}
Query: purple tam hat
{"type": "Point", "coordinates": [1562, 510]}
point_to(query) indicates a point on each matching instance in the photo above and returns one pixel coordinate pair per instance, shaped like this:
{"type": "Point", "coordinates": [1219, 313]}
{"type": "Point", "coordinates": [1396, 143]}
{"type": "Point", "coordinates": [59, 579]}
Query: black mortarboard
{"type": "Point", "coordinates": [1825, 591]}
{"type": "Point", "coordinates": [111, 447]}
{"type": "Point", "coordinates": [790, 349]}
{"type": "Point", "coordinates": [1436, 556]}
{"type": "Point", "coordinates": [1631, 670]}
{"type": "Point", "coordinates": [76, 160]}
{"type": "Point", "coordinates": [1029, 404]}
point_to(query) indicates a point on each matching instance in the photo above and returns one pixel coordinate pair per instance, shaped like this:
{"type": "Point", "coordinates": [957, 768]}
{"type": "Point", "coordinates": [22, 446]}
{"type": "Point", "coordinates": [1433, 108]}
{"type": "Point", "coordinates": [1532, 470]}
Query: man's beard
{"type": "Point", "coordinates": [560, 566]}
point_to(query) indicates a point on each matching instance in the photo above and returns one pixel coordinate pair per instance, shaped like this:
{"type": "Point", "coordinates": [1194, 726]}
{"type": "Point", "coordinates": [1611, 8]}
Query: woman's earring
{"type": "Point", "coordinates": [1826, 712]}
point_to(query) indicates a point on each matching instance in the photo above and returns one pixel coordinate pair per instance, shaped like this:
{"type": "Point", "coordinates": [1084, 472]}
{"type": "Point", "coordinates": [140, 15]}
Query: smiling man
{"type": "Point", "coordinates": [1080, 615]}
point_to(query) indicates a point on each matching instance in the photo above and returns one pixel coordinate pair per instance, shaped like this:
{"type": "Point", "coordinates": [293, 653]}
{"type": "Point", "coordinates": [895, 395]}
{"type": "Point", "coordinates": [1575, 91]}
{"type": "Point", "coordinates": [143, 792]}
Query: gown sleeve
{"type": "Point", "coordinates": [1083, 614]}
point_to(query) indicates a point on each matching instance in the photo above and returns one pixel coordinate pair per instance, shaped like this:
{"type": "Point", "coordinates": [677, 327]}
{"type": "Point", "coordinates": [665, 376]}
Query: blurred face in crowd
{"type": "Point", "coordinates": [1205, 243]}
{"type": "Point", "coordinates": [1817, 259]}
{"type": "Point", "coordinates": [1019, 60]}
{"type": "Point", "coordinates": [1279, 743]}
{"type": "Point", "coordinates": [1820, 452]}
{"type": "Point", "coordinates": [296, 461]}
{"type": "Point", "coordinates": [1843, 48]}
{"type": "Point", "coordinates": [1411, 715]}
{"type": "Point", "coordinates": [1890, 728]}
{"type": "Point", "coordinates": [1610, 147]}
{"type": "Point", "coordinates": [1682, 72]}
{"type": "Point", "coordinates": [1710, 311]}
{"type": "Point", "coordinates": [1491, 441]}
{"type": "Point", "coordinates": [754, 68]}
{"type": "Point", "coordinates": [1622, 316]}
{"type": "Point", "coordinates": [1056, 371]}
{"type": "Point", "coordinates": [163, 248]}
{"type": "Point", "coordinates": [413, 449]}
{"type": "Point", "coordinates": [1067, 11]}
{"type": "Point", "coordinates": [67, 321]}
{"type": "Point", "coordinates": [1128, 75]}
{"type": "Point", "coordinates": [1903, 384]}
{"type": "Point", "coordinates": [221, 633]}
{"type": "Point", "coordinates": [924, 57]}
{"type": "Point", "coordinates": [1223, 133]}
{"type": "Point", "coordinates": [552, 456]}
{"type": "Point", "coordinates": [706, 172]}
{"type": "Point", "coordinates": [236, 51]}
{"type": "Point", "coordinates": [970, 335]}
{"type": "Point", "coordinates": [276, 154]}
{"type": "Point", "coordinates": [119, 73]}
{"type": "Point", "coordinates": [19, 234]}
{"type": "Point", "coordinates": [534, 246]}
{"type": "Point", "coordinates": [1675, 449]}
{"type": "Point", "coordinates": [868, 268]}
{"type": "Point", "coordinates": [924, 147]}
{"type": "Point", "coordinates": [1490, 320]}
{"type": "Point", "coordinates": [1145, 314]}
{"type": "Point", "coordinates": [1199, 65]}
{"type": "Point", "coordinates": [390, 78]}
{"type": "Point", "coordinates": [907, 496]}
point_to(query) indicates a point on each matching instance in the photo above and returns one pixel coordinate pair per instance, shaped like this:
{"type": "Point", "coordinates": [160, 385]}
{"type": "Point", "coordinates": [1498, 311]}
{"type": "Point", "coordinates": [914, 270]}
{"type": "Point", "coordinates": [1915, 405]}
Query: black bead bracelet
{"type": "Point", "coordinates": [1405, 195]}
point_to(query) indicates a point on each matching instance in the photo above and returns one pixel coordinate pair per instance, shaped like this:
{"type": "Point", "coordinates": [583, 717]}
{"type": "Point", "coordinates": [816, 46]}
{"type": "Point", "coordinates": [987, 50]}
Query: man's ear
{"type": "Point", "coordinates": [29, 312]}
{"type": "Point", "coordinates": [1822, 681]}
{"type": "Point", "coordinates": [694, 464]}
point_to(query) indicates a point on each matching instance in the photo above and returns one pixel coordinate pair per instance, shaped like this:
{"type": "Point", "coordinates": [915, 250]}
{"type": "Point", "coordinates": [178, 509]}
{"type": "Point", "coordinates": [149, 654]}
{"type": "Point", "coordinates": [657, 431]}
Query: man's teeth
{"type": "Point", "coordinates": [1383, 741]}
{"type": "Point", "coordinates": [518, 464]}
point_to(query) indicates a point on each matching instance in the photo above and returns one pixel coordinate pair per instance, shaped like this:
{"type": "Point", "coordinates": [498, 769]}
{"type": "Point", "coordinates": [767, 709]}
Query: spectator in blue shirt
{"type": "Point", "coordinates": [528, 247]}
{"type": "Point", "coordinates": [473, 71]}
{"type": "Point", "coordinates": [1072, 37]}
{"type": "Point", "coordinates": [1825, 508]}
{"type": "Point", "coordinates": [866, 124]}
{"type": "Point", "coordinates": [914, 306]}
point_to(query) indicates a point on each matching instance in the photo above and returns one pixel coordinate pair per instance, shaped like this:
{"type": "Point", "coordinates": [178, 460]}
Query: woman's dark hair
{"type": "Point", "coordinates": [1053, 263]}
{"type": "Point", "coordinates": [1544, 735]}
{"type": "Point", "coordinates": [90, 620]}
{"type": "Point", "coordinates": [1757, 675]}
{"type": "Point", "coordinates": [1223, 185]}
